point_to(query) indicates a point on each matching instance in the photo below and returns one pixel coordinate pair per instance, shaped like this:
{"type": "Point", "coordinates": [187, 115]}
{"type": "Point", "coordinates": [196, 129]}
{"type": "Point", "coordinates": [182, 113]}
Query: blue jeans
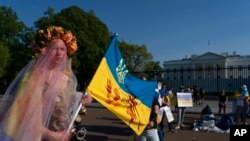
{"type": "Point", "coordinates": [148, 135]}
{"type": "Point", "coordinates": [161, 134]}
{"type": "Point", "coordinates": [241, 113]}
{"type": "Point", "coordinates": [181, 113]}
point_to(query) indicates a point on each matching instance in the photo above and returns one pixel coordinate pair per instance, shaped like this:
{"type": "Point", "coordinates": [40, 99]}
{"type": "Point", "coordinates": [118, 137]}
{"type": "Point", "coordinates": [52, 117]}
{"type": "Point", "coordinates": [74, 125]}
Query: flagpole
{"type": "Point", "coordinates": [74, 117]}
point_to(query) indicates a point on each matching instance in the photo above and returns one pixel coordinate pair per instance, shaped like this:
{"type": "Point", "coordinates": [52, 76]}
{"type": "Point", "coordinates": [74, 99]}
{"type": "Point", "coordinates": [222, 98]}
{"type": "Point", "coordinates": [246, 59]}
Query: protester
{"type": "Point", "coordinates": [225, 121]}
{"type": "Point", "coordinates": [42, 100]}
{"type": "Point", "coordinates": [242, 105]}
{"type": "Point", "coordinates": [195, 95]}
{"type": "Point", "coordinates": [162, 101]}
{"type": "Point", "coordinates": [207, 119]}
{"type": "Point", "coordinates": [201, 96]}
{"type": "Point", "coordinates": [151, 132]}
{"type": "Point", "coordinates": [181, 112]}
{"type": "Point", "coordinates": [223, 99]}
{"type": "Point", "coordinates": [208, 122]}
{"type": "Point", "coordinates": [165, 98]}
{"type": "Point", "coordinates": [168, 103]}
{"type": "Point", "coordinates": [207, 114]}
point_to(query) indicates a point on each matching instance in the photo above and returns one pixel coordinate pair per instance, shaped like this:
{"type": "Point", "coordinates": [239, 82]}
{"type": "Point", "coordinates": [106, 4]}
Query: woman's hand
{"type": "Point", "coordinates": [86, 99]}
{"type": "Point", "coordinates": [57, 135]}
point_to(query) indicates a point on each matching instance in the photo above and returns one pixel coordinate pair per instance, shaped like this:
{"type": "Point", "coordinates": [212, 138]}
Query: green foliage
{"type": "Point", "coordinates": [4, 58]}
{"type": "Point", "coordinates": [139, 61]}
{"type": "Point", "coordinates": [9, 24]}
{"type": "Point", "coordinates": [135, 56]}
{"type": "Point", "coordinates": [10, 32]}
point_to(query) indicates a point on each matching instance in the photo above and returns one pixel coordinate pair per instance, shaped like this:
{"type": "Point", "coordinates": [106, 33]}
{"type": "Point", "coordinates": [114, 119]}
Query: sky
{"type": "Point", "coordinates": [170, 29]}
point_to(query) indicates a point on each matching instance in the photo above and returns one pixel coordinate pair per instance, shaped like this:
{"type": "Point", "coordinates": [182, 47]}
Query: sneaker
{"type": "Point", "coordinates": [195, 129]}
{"type": "Point", "coordinates": [177, 127]}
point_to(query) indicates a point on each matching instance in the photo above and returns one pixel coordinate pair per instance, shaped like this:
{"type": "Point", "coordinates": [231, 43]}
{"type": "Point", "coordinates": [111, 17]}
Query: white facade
{"type": "Point", "coordinates": [208, 62]}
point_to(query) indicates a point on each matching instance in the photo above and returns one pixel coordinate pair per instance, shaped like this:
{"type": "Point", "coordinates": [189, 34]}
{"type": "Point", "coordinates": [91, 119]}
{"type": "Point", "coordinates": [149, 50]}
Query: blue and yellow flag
{"type": "Point", "coordinates": [128, 97]}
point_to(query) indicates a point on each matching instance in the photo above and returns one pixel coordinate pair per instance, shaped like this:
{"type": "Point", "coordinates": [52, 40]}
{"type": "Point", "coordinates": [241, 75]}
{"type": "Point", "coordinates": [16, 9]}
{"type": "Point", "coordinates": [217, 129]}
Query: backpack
{"type": "Point", "coordinates": [225, 121]}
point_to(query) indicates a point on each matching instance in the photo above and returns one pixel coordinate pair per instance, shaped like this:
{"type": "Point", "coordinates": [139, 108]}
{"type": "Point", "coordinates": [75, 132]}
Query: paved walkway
{"type": "Point", "coordinates": [211, 101]}
{"type": "Point", "coordinates": [103, 125]}
{"type": "Point", "coordinates": [213, 104]}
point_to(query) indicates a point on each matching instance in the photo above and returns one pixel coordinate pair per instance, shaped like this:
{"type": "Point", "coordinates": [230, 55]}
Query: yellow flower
{"type": "Point", "coordinates": [48, 35]}
{"type": "Point", "coordinates": [67, 37]}
{"type": "Point", "coordinates": [72, 47]}
{"type": "Point", "coordinates": [44, 38]}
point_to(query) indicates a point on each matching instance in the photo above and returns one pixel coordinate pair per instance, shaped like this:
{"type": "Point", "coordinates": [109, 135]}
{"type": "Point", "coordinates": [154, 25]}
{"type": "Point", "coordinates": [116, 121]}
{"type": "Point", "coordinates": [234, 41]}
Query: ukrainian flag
{"type": "Point", "coordinates": [128, 97]}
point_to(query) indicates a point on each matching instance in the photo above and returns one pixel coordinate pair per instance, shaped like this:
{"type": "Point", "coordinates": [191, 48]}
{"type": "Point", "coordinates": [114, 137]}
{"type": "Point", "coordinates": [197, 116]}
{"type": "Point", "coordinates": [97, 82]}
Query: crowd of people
{"type": "Point", "coordinates": [167, 96]}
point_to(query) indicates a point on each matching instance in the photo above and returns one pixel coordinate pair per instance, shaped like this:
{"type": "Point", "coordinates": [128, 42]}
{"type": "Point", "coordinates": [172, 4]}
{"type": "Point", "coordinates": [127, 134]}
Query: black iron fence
{"type": "Point", "coordinates": [212, 80]}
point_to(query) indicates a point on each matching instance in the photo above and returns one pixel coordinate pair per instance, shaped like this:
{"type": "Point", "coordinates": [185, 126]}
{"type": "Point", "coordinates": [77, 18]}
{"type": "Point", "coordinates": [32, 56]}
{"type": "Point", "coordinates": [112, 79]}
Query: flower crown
{"type": "Point", "coordinates": [44, 37]}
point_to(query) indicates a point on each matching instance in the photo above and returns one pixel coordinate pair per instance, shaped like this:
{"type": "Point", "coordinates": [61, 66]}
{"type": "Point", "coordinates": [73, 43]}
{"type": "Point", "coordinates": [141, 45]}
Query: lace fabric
{"type": "Point", "coordinates": [39, 97]}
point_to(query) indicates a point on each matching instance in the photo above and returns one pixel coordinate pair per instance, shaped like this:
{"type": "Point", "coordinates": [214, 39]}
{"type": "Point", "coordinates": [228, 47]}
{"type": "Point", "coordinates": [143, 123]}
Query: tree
{"type": "Point", "coordinates": [136, 57]}
{"type": "Point", "coordinates": [139, 61]}
{"type": "Point", "coordinates": [92, 35]}
{"type": "Point", "coordinates": [9, 25]}
{"type": "Point", "coordinates": [10, 32]}
{"type": "Point", "coordinates": [4, 58]}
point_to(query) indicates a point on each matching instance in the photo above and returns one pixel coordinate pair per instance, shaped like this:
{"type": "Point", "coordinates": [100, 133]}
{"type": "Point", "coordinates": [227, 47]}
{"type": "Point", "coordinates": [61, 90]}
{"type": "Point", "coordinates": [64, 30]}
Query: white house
{"type": "Point", "coordinates": [208, 67]}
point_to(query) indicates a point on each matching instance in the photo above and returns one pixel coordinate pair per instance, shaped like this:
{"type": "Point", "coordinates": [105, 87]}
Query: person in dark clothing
{"type": "Point", "coordinates": [207, 114]}
{"type": "Point", "coordinates": [151, 132]}
{"type": "Point", "coordinates": [195, 95]}
{"type": "Point", "coordinates": [202, 96]}
{"type": "Point", "coordinates": [222, 102]}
